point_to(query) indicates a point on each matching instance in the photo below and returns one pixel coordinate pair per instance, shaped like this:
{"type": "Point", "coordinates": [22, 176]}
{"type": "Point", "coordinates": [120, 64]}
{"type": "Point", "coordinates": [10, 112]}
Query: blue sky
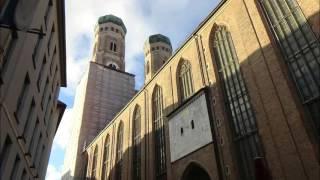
{"type": "Point", "coordinates": [173, 18]}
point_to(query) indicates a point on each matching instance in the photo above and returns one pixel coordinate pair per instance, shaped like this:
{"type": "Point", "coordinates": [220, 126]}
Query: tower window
{"type": "Point", "coordinates": [112, 29]}
{"type": "Point", "coordinates": [117, 30]}
{"type": "Point", "coordinates": [113, 46]}
{"type": "Point", "coordinates": [147, 67]}
{"type": "Point", "coordinates": [105, 28]}
{"type": "Point", "coordinates": [112, 66]}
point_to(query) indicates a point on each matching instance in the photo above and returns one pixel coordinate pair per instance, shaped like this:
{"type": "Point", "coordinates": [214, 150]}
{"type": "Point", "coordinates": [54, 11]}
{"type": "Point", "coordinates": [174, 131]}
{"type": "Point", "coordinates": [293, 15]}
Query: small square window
{"type": "Point", "coordinates": [101, 29]}
{"type": "Point", "coordinates": [105, 28]}
{"type": "Point", "coordinates": [157, 47]}
{"type": "Point", "coordinates": [112, 29]}
{"type": "Point", "coordinates": [117, 30]}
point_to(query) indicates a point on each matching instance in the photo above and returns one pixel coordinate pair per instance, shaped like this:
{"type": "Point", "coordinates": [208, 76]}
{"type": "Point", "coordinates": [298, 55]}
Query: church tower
{"type": "Point", "coordinates": [103, 91]}
{"type": "Point", "coordinates": [157, 50]}
{"type": "Point", "coordinates": [109, 48]}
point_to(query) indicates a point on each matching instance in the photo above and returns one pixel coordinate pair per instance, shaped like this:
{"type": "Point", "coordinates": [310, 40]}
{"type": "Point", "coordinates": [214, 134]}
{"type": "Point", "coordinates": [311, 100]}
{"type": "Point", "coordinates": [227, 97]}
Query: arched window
{"type": "Point", "coordinates": [113, 46]}
{"type": "Point", "coordinates": [243, 123]}
{"type": "Point", "coordinates": [185, 80]}
{"type": "Point", "coordinates": [119, 152]}
{"type": "Point", "coordinates": [94, 163]}
{"type": "Point", "coordinates": [106, 158]}
{"type": "Point", "coordinates": [113, 66]}
{"type": "Point", "coordinates": [136, 159]}
{"type": "Point", "coordinates": [301, 51]}
{"type": "Point", "coordinates": [159, 134]}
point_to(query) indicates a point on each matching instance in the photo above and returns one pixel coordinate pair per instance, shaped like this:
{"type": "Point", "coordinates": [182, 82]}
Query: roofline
{"type": "Point", "coordinates": [221, 3]}
{"type": "Point", "coordinates": [104, 66]}
{"type": "Point", "coordinates": [62, 41]}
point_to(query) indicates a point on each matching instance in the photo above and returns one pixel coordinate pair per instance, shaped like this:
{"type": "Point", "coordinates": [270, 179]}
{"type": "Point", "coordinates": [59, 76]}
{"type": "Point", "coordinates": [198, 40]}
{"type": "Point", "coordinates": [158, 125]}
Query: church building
{"type": "Point", "coordinates": [239, 99]}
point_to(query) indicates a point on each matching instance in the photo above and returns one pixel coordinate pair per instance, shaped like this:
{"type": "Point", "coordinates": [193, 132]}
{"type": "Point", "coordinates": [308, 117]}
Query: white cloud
{"type": "Point", "coordinates": [64, 131]}
{"type": "Point", "coordinates": [53, 173]}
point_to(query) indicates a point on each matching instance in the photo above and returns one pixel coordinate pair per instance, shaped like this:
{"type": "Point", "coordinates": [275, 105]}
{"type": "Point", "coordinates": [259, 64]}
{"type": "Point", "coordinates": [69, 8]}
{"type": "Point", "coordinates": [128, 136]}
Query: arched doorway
{"type": "Point", "coordinates": [195, 172]}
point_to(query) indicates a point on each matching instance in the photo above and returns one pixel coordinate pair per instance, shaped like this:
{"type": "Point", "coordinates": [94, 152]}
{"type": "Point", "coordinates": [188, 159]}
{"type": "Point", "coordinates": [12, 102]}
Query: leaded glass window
{"type": "Point", "coordinates": [94, 163]}
{"type": "Point", "coordinates": [243, 124]}
{"type": "Point", "coordinates": [119, 152]}
{"type": "Point", "coordinates": [106, 159]}
{"type": "Point", "coordinates": [136, 144]}
{"type": "Point", "coordinates": [301, 50]}
{"type": "Point", "coordinates": [185, 80]}
{"type": "Point", "coordinates": [159, 134]}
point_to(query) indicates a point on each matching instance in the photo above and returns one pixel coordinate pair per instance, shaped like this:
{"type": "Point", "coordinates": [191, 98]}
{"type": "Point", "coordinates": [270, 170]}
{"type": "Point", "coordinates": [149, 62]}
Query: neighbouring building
{"type": "Point", "coordinates": [240, 99]}
{"type": "Point", "coordinates": [32, 70]}
{"type": "Point", "coordinates": [102, 92]}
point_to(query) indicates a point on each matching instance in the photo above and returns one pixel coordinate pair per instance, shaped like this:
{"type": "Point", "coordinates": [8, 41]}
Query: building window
{"type": "Point", "coordinates": [185, 80]}
{"type": "Point", "coordinates": [50, 38]}
{"type": "Point", "coordinates": [136, 144]}
{"type": "Point", "coordinates": [44, 94]}
{"type": "Point", "coordinates": [5, 153]}
{"type": "Point", "coordinates": [192, 124]}
{"type": "Point", "coordinates": [6, 48]}
{"type": "Point", "coordinates": [301, 51]}
{"type": "Point", "coordinates": [112, 66]}
{"type": "Point", "coordinates": [29, 119]}
{"type": "Point", "coordinates": [36, 49]}
{"type": "Point", "coordinates": [243, 123]}
{"type": "Point", "coordinates": [159, 134]}
{"type": "Point", "coordinates": [22, 98]}
{"type": "Point", "coordinates": [33, 137]}
{"type": "Point", "coordinates": [147, 67]}
{"type": "Point", "coordinates": [23, 175]}
{"type": "Point", "coordinates": [94, 162]}
{"type": "Point", "coordinates": [44, 62]}
{"type": "Point", "coordinates": [113, 46]}
{"type": "Point", "coordinates": [106, 158]}
{"type": "Point", "coordinates": [119, 152]}
{"type": "Point", "coordinates": [46, 16]}
{"type": "Point", "coordinates": [16, 165]}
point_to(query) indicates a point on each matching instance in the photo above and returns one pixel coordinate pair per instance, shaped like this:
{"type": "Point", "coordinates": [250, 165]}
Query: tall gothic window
{"type": "Point", "coordinates": [94, 163]}
{"type": "Point", "coordinates": [106, 158]}
{"type": "Point", "coordinates": [119, 152]}
{"type": "Point", "coordinates": [159, 134]}
{"type": "Point", "coordinates": [136, 144]}
{"type": "Point", "coordinates": [185, 80]}
{"type": "Point", "coordinates": [301, 51]}
{"type": "Point", "coordinates": [240, 112]}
